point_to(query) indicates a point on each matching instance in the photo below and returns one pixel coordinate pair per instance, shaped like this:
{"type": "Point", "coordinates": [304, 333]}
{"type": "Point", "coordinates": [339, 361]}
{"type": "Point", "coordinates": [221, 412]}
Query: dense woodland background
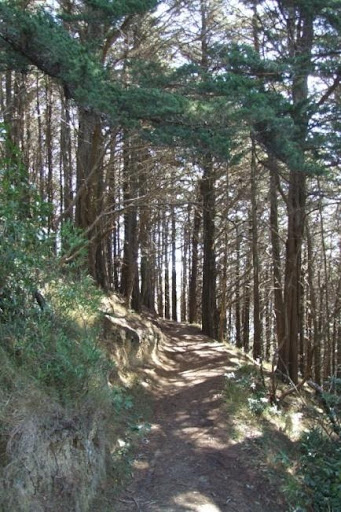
{"type": "Point", "coordinates": [197, 146]}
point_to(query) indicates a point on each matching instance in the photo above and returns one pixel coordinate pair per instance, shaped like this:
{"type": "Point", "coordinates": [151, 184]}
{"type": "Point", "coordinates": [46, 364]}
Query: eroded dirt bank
{"type": "Point", "coordinates": [188, 462]}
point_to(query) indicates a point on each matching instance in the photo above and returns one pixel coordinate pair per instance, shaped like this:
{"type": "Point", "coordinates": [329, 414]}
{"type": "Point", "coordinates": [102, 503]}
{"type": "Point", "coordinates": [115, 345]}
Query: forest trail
{"type": "Point", "coordinates": [188, 462]}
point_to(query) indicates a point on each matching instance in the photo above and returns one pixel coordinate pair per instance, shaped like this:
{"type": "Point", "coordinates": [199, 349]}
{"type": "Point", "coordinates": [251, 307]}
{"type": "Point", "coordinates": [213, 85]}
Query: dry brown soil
{"type": "Point", "coordinates": [188, 462]}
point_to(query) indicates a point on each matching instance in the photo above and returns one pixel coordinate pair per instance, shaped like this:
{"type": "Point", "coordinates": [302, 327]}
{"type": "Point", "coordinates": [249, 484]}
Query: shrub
{"type": "Point", "coordinates": [54, 388]}
{"type": "Point", "coordinates": [50, 336]}
{"type": "Point", "coordinates": [245, 386]}
{"type": "Point", "coordinates": [318, 486]}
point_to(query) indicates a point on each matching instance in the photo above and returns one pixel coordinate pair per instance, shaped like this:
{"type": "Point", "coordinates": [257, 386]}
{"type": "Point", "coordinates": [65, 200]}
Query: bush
{"type": "Point", "coordinates": [48, 310]}
{"type": "Point", "coordinates": [318, 483]}
{"type": "Point", "coordinates": [245, 386]}
{"type": "Point", "coordinates": [54, 388]}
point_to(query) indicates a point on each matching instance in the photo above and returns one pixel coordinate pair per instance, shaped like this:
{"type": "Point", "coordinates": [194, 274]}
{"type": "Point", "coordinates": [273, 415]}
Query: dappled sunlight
{"type": "Point", "coordinates": [189, 462]}
{"type": "Point", "coordinates": [194, 501]}
{"type": "Point", "coordinates": [141, 465]}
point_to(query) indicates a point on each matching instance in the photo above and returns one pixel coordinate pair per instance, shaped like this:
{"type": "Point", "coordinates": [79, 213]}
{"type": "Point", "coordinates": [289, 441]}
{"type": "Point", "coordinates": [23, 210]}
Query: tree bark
{"type": "Point", "coordinates": [276, 262]}
{"type": "Point", "coordinates": [90, 181]}
{"type": "Point", "coordinates": [166, 265]}
{"type": "Point", "coordinates": [193, 282]}
{"type": "Point", "coordinates": [209, 310]}
{"type": "Point", "coordinates": [239, 341]}
{"type": "Point", "coordinates": [257, 324]}
{"type": "Point", "coordinates": [130, 249]}
{"type": "Point", "coordinates": [300, 40]}
{"type": "Point", "coordinates": [174, 283]}
{"type": "Point", "coordinates": [184, 283]}
{"type": "Point", "coordinates": [288, 363]}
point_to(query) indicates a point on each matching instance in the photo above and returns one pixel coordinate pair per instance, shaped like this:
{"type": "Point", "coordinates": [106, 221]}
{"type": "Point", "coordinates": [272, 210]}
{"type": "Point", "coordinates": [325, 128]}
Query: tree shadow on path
{"type": "Point", "coordinates": [188, 462]}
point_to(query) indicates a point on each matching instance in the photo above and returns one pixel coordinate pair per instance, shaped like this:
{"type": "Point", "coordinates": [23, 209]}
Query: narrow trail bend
{"type": "Point", "coordinates": [188, 463]}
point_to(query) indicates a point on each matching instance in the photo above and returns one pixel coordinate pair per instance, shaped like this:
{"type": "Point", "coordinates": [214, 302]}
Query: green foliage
{"type": "Point", "coordinates": [163, 117]}
{"type": "Point", "coordinates": [24, 246]}
{"type": "Point", "coordinates": [66, 363]}
{"type": "Point", "coordinates": [246, 387]}
{"type": "Point", "coordinates": [121, 399]}
{"type": "Point", "coordinates": [109, 11]}
{"type": "Point", "coordinates": [318, 479]}
{"type": "Point", "coordinates": [51, 348]}
{"type": "Point", "coordinates": [10, 60]}
{"type": "Point", "coordinates": [48, 310]}
{"type": "Point", "coordinates": [246, 377]}
{"type": "Point", "coordinates": [245, 90]}
{"type": "Point", "coordinates": [51, 358]}
{"type": "Point", "coordinates": [312, 471]}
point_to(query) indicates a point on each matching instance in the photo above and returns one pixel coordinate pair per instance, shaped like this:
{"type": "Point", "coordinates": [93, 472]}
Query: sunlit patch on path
{"type": "Point", "coordinates": [188, 463]}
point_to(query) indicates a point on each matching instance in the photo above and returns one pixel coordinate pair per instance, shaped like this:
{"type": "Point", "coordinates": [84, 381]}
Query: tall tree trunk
{"type": "Point", "coordinates": [301, 315]}
{"type": "Point", "coordinates": [327, 345]}
{"type": "Point", "coordinates": [300, 39]}
{"type": "Point", "coordinates": [245, 312]}
{"type": "Point", "coordinates": [276, 262]}
{"type": "Point", "coordinates": [184, 283]}
{"type": "Point", "coordinates": [193, 282]}
{"type": "Point", "coordinates": [130, 249]}
{"type": "Point", "coordinates": [49, 150]}
{"type": "Point", "coordinates": [296, 219]}
{"type": "Point", "coordinates": [223, 291]}
{"type": "Point", "coordinates": [160, 266]}
{"type": "Point", "coordinates": [239, 342]}
{"type": "Point", "coordinates": [166, 265]}
{"type": "Point", "coordinates": [89, 203]}
{"type": "Point", "coordinates": [66, 159]}
{"type": "Point", "coordinates": [209, 310]}
{"type": "Point", "coordinates": [147, 266]}
{"type": "Point", "coordinates": [268, 320]}
{"type": "Point", "coordinates": [313, 347]}
{"type": "Point", "coordinates": [40, 177]}
{"type": "Point", "coordinates": [338, 345]}
{"type": "Point", "coordinates": [147, 260]}
{"type": "Point", "coordinates": [174, 284]}
{"type": "Point", "coordinates": [257, 324]}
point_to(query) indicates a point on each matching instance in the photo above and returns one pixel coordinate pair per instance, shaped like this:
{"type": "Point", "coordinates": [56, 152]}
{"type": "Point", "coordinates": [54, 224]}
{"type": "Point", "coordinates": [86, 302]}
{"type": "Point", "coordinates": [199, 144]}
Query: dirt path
{"type": "Point", "coordinates": [188, 463]}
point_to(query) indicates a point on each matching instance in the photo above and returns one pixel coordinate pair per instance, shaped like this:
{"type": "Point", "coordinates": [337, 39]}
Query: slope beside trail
{"type": "Point", "coordinates": [188, 462]}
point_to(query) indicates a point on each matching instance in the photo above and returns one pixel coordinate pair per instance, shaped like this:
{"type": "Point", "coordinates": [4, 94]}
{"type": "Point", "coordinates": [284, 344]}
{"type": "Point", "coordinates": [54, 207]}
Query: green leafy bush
{"type": "Point", "coordinates": [54, 372]}
{"type": "Point", "coordinates": [48, 308]}
{"type": "Point", "coordinates": [24, 246]}
{"type": "Point", "coordinates": [247, 385]}
{"type": "Point", "coordinates": [312, 470]}
{"type": "Point", "coordinates": [318, 478]}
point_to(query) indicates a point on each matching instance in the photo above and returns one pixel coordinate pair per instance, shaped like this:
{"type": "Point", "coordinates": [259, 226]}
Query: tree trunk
{"type": "Point", "coordinates": [276, 263]}
{"type": "Point", "coordinates": [174, 285]}
{"type": "Point", "coordinates": [313, 347]}
{"type": "Point", "coordinates": [223, 292]}
{"type": "Point", "coordinates": [184, 282]}
{"type": "Point", "coordinates": [147, 266]}
{"type": "Point", "coordinates": [244, 338]}
{"type": "Point", "coordinates": [49, 150]}
{"type": "Point", "coordinates": [130, 249]}
{"type": "Point", "coordinates": [209, 311]}
{"type": "Point", "coordinates": [66, 159]}
{"type": "Point", "coordinates": [257, 324]}
{"type": "Point", "coordinates": [160, 266]}
{"type": "Point", "coordinates": [166, 265]}
{"type": "Point", "coordinates": [296, 217]}
{"type": "Point", "coordinates": [239, 342]}
{"type": "Point", "coordinates": [300, 40]}
{"type": "Point", "coordinates": [193, 282]}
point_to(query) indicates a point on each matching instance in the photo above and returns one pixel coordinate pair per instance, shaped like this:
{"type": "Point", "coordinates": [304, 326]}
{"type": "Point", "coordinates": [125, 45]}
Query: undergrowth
{"type": "Point", "coordinates": [296, 443]}
{"type": "Point", "coordinates": [54, 379]}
